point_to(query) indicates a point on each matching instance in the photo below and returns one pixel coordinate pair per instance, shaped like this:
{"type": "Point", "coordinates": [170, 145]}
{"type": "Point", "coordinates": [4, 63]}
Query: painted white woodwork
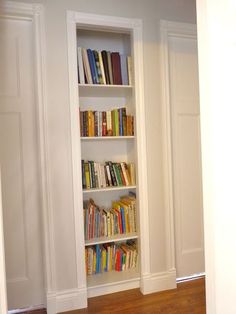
{"type": "Point", "coordinates": [20, 166]}
{"type": "Point", "coordinates": [217, 67]}
{"type": "Point", "coordinates": [124, 35]}
{"type": "Point", "coordinates": [182, 134]}
{"type": "Point", "coordinates": [3, 287]}
{"type": "Point", "coordinates": [23, 14]}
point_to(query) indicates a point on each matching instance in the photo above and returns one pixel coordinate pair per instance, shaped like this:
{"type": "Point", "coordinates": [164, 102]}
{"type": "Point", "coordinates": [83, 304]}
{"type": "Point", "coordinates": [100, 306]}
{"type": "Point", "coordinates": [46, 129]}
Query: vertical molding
{"type": "Point", "coordinates": [3, 288]}
{"type": "Point", "coordinates": [182, 30]}
{"type": "Point", "coordinates": [76, 155]}
{"type": "Point", "coordinates": [35, 13]}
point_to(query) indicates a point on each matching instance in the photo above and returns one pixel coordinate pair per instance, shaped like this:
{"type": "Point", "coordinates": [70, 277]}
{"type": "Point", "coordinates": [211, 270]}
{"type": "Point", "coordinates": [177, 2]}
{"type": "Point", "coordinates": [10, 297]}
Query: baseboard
{"type": "Point", "coordinates": [158, 282]}
{"type": "Point", "coordinates": [113, 287]}
{"type": "Point", "coordinates": [67, 300]}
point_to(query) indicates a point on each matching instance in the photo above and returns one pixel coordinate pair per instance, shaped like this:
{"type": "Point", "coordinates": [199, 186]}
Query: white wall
{"type": "Point", "coordinates": [151, 11]}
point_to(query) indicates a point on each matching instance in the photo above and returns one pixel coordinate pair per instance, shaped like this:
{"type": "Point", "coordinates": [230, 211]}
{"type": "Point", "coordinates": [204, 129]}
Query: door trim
{"type": "Point", "coordinates": [35, 13]}
{"type": "Point", "coordinates": [181, 30]}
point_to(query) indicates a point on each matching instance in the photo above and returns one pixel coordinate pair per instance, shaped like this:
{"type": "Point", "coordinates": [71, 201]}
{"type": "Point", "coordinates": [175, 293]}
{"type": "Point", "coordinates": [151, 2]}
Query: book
{"type": "Point", "coordinates": [93, 67]}
{"type": "Point", "coordinates": [98, 68]}
{"type": "Point", "coordinates": [88, 75]}
{"type": "Point", "coordinates": [105, 64]}
{"type": "Point", "coordinates": [80, 65]}
{"type": "Point", "coordinates": [130, 71]}
{"type": "Point", "coordinates": [116, 68]}
{"type": "Point", "coordinates": [102, 67]}
{"type": "Point", "coordinates": [110, 73]}
{"type": "Point", "coordinates": [124, 69]}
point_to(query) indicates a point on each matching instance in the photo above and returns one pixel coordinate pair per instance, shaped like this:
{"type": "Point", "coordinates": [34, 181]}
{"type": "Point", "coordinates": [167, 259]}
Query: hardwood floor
{"type": "Point", "coordinates": [188, 298]}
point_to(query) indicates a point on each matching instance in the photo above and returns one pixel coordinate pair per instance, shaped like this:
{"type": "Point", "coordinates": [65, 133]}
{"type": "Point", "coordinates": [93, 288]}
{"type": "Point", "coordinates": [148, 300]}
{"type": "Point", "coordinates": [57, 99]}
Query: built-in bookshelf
{"type": "Point", "coordinates": [109, 153]}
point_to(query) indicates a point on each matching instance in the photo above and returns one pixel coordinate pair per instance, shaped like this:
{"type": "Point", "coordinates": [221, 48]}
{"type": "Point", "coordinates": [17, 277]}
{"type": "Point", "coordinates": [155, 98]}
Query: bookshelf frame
{"type": "Point", "coordinates": [134, 27]}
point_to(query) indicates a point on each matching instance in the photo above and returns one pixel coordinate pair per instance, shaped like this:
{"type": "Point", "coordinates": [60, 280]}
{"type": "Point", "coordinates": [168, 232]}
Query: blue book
{"type": "Point", "coordinates": [123, 219]}
{"type": "Point", "coordinates": [93, 67]}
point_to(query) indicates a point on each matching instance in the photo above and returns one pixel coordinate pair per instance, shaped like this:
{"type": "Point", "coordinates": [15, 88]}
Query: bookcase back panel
{"type": "Point", "coordinates": [112, 150]}
{"type": "Point", "coordinates": [105, 198]}
{"type": "Point", "coordinates": [104, 104]}
{"type": "Point", "coordinates": [102, 40]}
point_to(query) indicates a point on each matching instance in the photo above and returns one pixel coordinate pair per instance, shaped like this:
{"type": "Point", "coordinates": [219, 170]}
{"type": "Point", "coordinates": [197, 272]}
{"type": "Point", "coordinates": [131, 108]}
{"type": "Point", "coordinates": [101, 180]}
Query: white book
{"type": "Point", "coordinates": [130, 72]}
{"type": "Point", "coordinates": [86, 66]}
{"type": "Point", "coordinates": [80, 65]}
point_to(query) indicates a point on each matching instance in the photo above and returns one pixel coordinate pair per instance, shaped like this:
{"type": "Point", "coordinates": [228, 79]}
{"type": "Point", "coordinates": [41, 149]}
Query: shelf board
{"type": "Point", "coordinates": [101, 138]}
{"type": "Point", "coordinates": [116, 238]}
{"type": "Point", "coordinates": [97, 90]}
{"type": "Point", "coordinates": [108, 189]}
{"type": "Point", "coordinates": [112, 277]}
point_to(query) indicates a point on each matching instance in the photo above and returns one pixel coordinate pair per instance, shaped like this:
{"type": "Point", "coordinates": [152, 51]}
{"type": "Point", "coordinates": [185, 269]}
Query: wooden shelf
{"type": "Point", "coordinates": [116, 238]}
{"type": "Point", "coordinates": [108, 189]}
{"type": "Point", "coordinates": [106, 138]}
{"type": "Point", "coordinates": [96, 90]}
{"type": "Point", "coordinates": [112, 277]}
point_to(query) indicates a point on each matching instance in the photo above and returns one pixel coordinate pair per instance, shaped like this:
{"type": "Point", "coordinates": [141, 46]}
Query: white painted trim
{"type": "Point", "coordinates": [181, 30]}
{"type": "Point", "coordinates": [159, 282]}
{"type": "Point", "coordinates": [3, 288]}
{"type": "Point", "coordinates": [35, 12]}
{"type": "Point", "coordinates": [134, 26]}
{"type": "Point", "coordinates": [113, 287]}
{"type": "Point", "coordinates": [67, 300]}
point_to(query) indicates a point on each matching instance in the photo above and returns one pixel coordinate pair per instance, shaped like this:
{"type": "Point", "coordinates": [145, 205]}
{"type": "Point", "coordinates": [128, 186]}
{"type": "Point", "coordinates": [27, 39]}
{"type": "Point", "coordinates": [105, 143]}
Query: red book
{"type": "Point", "coordinates": [116, 69]}
{"type": "Point", "coordinates": [104, 123]}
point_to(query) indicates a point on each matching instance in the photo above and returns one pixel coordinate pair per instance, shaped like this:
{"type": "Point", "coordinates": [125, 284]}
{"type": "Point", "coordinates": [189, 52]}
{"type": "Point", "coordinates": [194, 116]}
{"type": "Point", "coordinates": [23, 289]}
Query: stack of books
{"type": "Point", "coordinates": [104, 67]}
{"type": "Point", "coordinates": [101, 222]}
{"type": "Point", "coordinates": [109, 174]}
{"type": "Point", "coordinates": [106, 123]}
{"type": "Point", "coordinates": [111, 256]}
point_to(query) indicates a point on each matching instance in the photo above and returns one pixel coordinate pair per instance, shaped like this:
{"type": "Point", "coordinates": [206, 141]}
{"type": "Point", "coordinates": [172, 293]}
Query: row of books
{"type": "Point", "coordinates": [106, 123]}
{"type": "Point", "coordinates": [107, 174]}
{"type": "Point", "coordinates": [103, 67]}
{"type": "Point", "coordinates": [108, 257]}
{"type": "Point", "coordinates": [101, 222]}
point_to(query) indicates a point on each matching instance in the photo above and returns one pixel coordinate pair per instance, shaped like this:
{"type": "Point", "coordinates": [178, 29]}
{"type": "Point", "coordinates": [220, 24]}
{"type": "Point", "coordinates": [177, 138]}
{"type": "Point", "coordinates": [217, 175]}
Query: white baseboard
{"type": "Point", "coordinates": [67, 300]}
{"type": "Point", "coordinates": [159, 282]}
{"type": "Point", "coordinates": [113, 287]}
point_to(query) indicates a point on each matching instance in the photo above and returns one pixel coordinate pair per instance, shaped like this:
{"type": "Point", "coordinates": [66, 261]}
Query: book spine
{"type": "Point", "coordinates": [110, 68]}
{"type": "Point", "coordinates": [80, 65]}
{"type": "Point", "coordinates": [105, 64]}
{"type": "Point", "coordinates": [116, 69]}
{"type": "Point", "coordinates": [88, 75]}
{"type": "Point", "coordinates": [102, 67]}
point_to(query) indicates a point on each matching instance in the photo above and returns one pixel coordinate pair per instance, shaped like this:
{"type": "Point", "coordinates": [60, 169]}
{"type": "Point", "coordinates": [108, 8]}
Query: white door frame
{"type": "Point", "coordinates": [3, 290]}
{"type": "Point", "coordinates": [181, 30]}
{"type": "Point", "coordinates": [35, 13]}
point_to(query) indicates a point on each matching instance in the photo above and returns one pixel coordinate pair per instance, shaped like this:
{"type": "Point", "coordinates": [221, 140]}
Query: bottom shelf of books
{"type": "Point", "coordinates": [112, 262]}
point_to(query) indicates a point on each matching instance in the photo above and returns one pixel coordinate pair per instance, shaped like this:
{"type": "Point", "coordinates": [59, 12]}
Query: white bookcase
{"type": "Point", "coordinates": [125, 36]}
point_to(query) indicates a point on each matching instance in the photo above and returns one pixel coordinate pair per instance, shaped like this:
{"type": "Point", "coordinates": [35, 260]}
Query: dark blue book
{"type": "Point", "coordinates": [93, 67]}
{"type": "Point", "coordinates": [123, 219]}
